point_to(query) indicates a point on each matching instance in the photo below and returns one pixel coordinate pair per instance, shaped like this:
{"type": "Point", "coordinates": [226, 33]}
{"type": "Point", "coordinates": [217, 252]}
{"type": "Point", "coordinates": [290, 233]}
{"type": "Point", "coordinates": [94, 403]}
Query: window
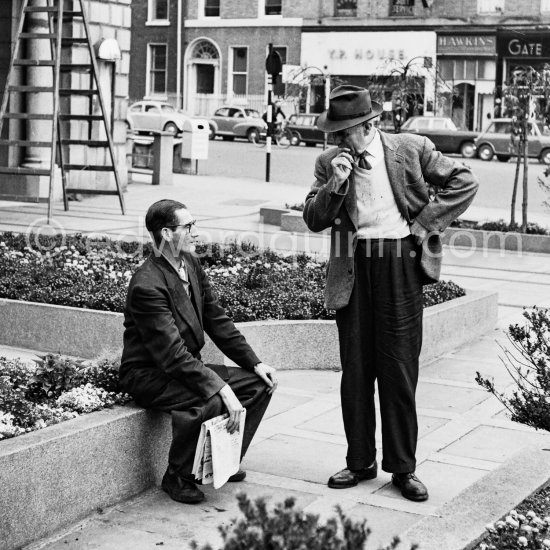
{"type": "Point", "coordinates": [273, 7]}
{"type": "Point", "coordinates": [401, 8]}
{"type": "Point", "coordinates": [466, 69]}
{"type": "Point", "coordinates": [346, 8]}
{"type": "Point", "coordinates": [490, 6]}
{"type": "Point", "coordinates": [239, 70]}
{"type": "Point", "coordinates": [211, 8]}
{"type": "Point", "coordinates": [157, 72]}
{"type": "Point", "coordinates": [224, 111]}
{"type": "Point", "coordinates": [158, 10]}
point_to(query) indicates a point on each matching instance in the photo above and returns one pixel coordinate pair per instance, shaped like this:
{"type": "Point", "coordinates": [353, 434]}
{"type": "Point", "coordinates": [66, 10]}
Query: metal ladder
{"type": "Point", "coordinates": [57, 15]}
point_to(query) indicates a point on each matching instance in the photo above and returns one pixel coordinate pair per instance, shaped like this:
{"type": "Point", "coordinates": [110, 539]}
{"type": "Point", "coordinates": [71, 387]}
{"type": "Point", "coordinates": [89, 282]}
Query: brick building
{"type": "Point", "coordinates": [109, 22]}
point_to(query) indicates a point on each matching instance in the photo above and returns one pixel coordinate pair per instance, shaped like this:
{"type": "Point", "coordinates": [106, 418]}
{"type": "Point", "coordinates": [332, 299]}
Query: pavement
{"type": "Point", "coordinates": [467, 450]}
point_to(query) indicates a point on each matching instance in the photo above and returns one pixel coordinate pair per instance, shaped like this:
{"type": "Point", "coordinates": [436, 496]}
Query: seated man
{"type": "Point", "coordinates": [170, 304]}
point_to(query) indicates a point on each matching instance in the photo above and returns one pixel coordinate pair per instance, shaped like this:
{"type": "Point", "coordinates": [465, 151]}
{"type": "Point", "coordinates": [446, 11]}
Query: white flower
{"type": "Point", "coordinates": [546, 542]}
{"type": "Point", "coordinates": [522, 541]}
{"type": "Point", "coordinates": [511, 521]}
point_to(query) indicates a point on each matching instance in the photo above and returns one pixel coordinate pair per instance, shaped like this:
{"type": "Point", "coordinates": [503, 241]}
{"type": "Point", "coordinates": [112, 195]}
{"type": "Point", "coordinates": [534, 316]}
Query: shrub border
{"type": "Point", "coordinates": [290, 220]}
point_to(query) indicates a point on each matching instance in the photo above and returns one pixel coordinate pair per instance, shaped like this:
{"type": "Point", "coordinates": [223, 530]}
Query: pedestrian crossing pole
{"type": "Point", "coordinates": [273, 67]}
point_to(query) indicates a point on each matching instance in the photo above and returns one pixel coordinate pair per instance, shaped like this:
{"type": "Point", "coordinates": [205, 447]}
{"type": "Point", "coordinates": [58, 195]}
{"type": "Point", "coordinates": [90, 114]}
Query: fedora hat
{"type": "Point", "coordinates": [348, 106]}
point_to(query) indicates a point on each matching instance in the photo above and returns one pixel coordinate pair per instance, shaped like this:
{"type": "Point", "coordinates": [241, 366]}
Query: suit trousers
{"type": "Point", "coordinates": [380, 333]}
{"type": "Point", "coordinates": [188, 410]}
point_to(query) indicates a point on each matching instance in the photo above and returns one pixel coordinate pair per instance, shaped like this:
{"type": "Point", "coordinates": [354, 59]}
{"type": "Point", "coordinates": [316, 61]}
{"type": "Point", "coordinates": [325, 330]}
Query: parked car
{"type": "Point", "coordinates": [496, 140]}
{"type": "Point", "coordinates": [155, 116]}
{"type": "Point", "coordinates": [231, 122]}
{"type": "Point", "coordinates": [304, 130]}
{"type": "Point", "coordinates": [446, 137]}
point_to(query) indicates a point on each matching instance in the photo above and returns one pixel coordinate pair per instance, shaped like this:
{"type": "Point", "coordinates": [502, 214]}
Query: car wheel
{"type": "Point", "coordinates": [228, 138]}
{"type": "Point", "coordinates": [295, 139]}
{"type": "Point", "coordinates": [171, 128]}
{"type": "Point", "coordinates": [467, 149]}
{"type": "Point", "coordinates": [485, 152]}
{"type": "Point", "coordinates": [545, 156]}
{"type": "Point", "coordinates": [253, 135]}
{"type": "Point", "coordinates": [503, 158]}
{"type": "Point", "coordinates": [211, 133]}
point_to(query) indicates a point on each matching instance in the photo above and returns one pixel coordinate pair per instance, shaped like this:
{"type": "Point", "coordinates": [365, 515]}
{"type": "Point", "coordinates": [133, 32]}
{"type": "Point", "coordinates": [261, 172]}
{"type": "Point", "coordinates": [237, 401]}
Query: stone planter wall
{"type": "Point", "coordinates": [55, 476]}
{"type": "Point", "coordinates": [291, 220]}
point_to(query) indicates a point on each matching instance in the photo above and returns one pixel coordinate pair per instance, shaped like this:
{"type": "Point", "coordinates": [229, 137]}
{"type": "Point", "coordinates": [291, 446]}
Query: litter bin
{"type": "Point", "coordinates": [194, 144]}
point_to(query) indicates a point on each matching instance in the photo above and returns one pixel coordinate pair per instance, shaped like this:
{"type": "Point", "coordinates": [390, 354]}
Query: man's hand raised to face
{"type": "Point", "coordinates": [342, 165]}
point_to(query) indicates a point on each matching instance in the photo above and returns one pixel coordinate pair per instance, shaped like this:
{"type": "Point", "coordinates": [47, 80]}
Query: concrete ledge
{"type": "Point", "coordinates": [475, 238]}
{"type": "Point", "coordinates": [58, 475]}
{"type": "Point", "coordinates": [284, 344]}
{"type": "Point", "coordinates": [291, 220]}
{"type": "Point", "coordinates": [460, 524]}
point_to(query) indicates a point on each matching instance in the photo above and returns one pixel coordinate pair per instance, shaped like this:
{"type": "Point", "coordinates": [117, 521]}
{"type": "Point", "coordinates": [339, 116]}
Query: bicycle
{"type": "Point", "coordinates": [282, 137]}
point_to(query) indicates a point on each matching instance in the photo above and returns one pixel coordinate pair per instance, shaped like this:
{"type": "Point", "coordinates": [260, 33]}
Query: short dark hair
{"type": "Point", "coordinates": [162, 214]}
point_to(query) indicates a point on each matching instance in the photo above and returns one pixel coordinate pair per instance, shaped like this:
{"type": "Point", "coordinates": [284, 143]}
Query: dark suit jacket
{"type": "Point", "coordinates": [412, 163]}
{"type": "Point", "coordinates": [164, 331]}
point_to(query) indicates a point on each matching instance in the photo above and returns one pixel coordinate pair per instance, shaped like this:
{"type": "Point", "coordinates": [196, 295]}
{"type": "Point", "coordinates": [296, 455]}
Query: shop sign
{"type": "Point", "coordinates": [466, 45]}
{"type": "Point", "coordinates": [401, 8]}
{"type": "Point", "coordinates": [524, 45]}
{"type": "Point", "coordinates": [362, 53]}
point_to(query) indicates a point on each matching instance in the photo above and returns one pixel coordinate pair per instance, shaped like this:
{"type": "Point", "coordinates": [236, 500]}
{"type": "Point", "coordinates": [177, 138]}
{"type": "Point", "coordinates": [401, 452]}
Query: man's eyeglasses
{"type": "Point", "coordinates": [187, 226]}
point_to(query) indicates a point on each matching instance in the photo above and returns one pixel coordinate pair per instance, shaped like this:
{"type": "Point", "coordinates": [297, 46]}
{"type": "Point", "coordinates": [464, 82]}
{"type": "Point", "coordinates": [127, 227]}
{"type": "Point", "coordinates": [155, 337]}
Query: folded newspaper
{"type": "Point", "coordinates": [218, 453]}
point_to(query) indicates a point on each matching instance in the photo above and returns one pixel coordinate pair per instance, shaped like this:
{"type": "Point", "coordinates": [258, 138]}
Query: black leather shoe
{"type": "Point", "coordinates": [239, 476]}
{"type": "Point", "coordinates": [180, 489]}
{"type": "Point", "coordinates": [411, 487]}
{"type": "Point", "coordinates": [350, 478]}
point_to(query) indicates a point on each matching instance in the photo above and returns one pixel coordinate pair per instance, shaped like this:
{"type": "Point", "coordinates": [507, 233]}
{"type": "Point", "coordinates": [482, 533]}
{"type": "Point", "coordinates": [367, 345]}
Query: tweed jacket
{"type": "Point", "coordinates": [164, 329]}
{"type": "Point", "coordinates": [412, 163]}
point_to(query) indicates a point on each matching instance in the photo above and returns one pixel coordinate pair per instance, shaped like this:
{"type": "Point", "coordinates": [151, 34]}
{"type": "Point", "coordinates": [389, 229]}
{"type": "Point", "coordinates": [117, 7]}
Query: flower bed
{"type": "Point", "coordinates": [252, 285]}
{"type": "Point", "coordinates": [40, 394]}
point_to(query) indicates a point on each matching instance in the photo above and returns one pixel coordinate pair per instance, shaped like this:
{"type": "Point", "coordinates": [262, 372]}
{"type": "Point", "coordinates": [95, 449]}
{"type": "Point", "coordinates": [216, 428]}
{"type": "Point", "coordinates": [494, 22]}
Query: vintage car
{"type": "Point", "coordinates": [304, 130]}
{"type": "Point", "coordinates": [231, 122]}
{"type": "Point", "coordinates": [155, 116]}
{"type": "Point", "coordinates": [496, 141]}
{"type": "Point", "coordinates": [446, 137]}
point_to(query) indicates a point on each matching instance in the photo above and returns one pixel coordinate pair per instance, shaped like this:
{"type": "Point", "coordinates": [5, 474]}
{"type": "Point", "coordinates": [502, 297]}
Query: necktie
{"type": "Point", "coordinates": [182, 272]}
{"type": "Point", "coordinates": [362, 161]}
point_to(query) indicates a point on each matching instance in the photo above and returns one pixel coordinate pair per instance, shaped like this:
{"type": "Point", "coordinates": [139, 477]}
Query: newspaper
{"type": "Point", "coordinates": [218, 453]}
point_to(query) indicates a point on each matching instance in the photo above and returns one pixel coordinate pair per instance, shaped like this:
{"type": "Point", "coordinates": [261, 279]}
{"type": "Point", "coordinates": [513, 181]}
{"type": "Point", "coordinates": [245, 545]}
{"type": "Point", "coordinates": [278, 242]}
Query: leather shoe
{"type": "Point", "coordinates": [350, 478]}
{"type": "Point", "coordinates": [239, 476]}
{"type": "Point", "coordinates": [411, 487]}
{"type": "Point", "coordinates": [180, 489]}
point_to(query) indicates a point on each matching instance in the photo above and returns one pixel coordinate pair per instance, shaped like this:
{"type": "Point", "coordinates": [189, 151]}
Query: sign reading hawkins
{"type": "Point", "coordinates": [466, 44]}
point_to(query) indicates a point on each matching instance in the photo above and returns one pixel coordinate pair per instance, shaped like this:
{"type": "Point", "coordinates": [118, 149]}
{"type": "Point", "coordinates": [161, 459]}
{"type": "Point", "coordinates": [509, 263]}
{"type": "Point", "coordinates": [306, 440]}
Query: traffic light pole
{"type": "Point", "coordinates": [269, 127]}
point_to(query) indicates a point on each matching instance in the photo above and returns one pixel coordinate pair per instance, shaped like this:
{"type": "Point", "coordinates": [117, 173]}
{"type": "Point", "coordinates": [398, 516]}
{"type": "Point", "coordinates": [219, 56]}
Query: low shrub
{"type": "Point", "coordinates": [528, 363]}
{"type": "Point", "coordinates": [54, 389]}
{"type": "Point", "coordinates": [93, 273]}
{"type": "Point", "coordinates": [286, 528]}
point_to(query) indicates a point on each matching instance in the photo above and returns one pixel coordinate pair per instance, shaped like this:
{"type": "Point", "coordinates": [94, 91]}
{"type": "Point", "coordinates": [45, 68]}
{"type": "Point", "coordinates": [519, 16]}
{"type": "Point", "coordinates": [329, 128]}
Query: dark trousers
{"type": "Point", "coordinates": [189, 411]}
{"type": "Point", "coordinates": [380, 333]}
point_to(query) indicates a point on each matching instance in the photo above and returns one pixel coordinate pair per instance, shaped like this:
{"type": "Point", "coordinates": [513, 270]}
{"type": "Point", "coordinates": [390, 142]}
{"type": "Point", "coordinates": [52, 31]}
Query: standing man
{"type": "Point", "coordinates": [170, 305]}
{"type": "Point", "coordinates": [372, 191]}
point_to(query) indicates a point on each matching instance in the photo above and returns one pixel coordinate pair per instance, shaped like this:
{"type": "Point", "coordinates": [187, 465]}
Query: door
{"type": "Point", "coordinates": [205, 78]}
{"type": "Point", "coordinates": [463, 106]}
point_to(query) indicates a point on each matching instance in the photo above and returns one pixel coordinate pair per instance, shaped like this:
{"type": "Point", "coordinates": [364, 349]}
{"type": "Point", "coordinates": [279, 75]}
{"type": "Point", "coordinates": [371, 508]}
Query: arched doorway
{"type": "Point", "coordinates": [202, 75]}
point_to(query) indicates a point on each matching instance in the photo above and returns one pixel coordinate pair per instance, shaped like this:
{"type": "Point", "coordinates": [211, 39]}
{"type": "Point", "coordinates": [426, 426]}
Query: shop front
{"type": "Point", "coordinates": [465, 83]}
{"type": "Point", "coordinates": [519, 50]}
{"type": "Point", "coordinates": [391, 63]}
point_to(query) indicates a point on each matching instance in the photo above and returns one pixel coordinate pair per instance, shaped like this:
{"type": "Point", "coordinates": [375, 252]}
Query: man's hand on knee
{"type": "Point", "coordinates": [234, 407]}
{"type": "Point", "coordinates": [267, 374]}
